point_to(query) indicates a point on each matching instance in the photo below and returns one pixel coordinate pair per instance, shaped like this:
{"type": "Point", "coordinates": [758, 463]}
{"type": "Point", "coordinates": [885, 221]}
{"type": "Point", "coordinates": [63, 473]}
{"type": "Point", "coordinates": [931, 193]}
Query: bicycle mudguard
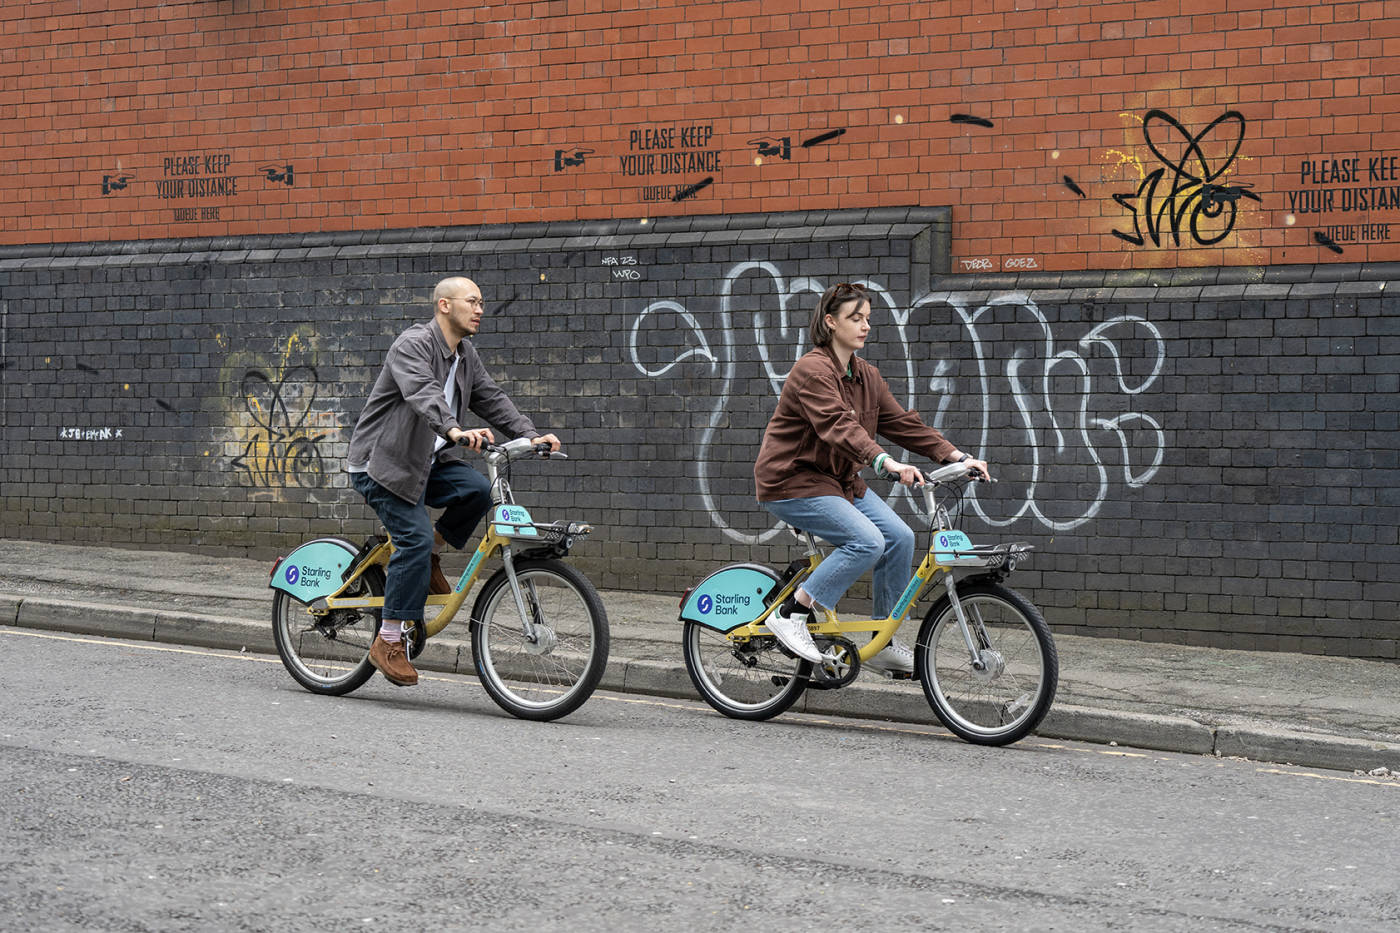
{"type": "Point", "coordinates": [313, 570]}
{"type": "Point", "coordinates": [730, 597]}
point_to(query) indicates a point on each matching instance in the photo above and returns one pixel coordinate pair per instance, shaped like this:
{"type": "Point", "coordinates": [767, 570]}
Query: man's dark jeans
{"type": "Point", "coordinates": [454, 486]}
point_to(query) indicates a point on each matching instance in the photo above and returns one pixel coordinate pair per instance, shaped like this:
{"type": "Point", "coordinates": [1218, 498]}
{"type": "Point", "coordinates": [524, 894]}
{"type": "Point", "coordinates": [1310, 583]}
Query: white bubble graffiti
{"type": "Point", "coordinates": [1027, 376]}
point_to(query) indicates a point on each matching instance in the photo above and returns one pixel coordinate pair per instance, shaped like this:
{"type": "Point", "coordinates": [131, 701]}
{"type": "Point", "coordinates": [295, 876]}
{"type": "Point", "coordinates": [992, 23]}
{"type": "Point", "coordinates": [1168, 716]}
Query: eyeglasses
{"type": "Point", "coordinates": [474, 301]}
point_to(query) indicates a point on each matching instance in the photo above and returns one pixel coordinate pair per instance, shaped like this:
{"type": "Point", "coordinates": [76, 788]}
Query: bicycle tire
{"type": "Point", "coordinates": [1006, 700]}
{"type": "Point", "coordinates": [328, 656]}
{"type": "Point", "coordinates": [539, 681]}
{"type": "Point", "coordinates": [753, 680]}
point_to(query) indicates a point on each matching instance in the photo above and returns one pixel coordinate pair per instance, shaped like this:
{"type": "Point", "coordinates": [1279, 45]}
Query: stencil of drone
{"type": "Point", "coordinates": [568, 158]}
{"type": "Point", "coordinates": [118, 182]}
{"type": "Point", "coordinates": [770, 146]}
{"type": "Point", "coordinates": [276, 173]}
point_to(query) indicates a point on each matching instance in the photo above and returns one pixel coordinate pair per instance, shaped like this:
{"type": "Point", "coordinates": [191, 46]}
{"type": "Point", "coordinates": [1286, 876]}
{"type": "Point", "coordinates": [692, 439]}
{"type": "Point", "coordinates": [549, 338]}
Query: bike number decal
{"type": "Point", "coordinates": [946, 542]}
{"type": "Point", "coordinates": [513, 521]}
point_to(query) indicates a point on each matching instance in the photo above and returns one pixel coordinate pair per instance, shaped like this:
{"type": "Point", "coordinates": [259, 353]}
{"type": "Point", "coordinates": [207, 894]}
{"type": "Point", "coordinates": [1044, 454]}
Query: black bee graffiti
{"type": "Point", "coordinates": [1182, 194]}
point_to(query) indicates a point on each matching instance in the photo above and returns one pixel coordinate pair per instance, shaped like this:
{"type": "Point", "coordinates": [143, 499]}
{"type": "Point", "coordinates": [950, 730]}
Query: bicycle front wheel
{"type": "Point", "coordinates": [750, 679]}
{"type": "Point", "coordinates": [551, 672]}
{"type": "Point", "coordinates": [1006, 694]}
{"type": "Point", "coordinates": [328, 654]}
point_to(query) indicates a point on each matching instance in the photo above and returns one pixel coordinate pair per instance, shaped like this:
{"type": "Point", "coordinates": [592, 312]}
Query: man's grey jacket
{"type": "Point", "coordinates": [406, 412]}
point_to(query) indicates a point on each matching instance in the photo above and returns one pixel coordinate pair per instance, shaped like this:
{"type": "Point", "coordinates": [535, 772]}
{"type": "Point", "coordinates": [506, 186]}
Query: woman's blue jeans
{"type": "Point", "coordinates": [867, 534]}
{"type": "Point", "coordinates": [464, 494]}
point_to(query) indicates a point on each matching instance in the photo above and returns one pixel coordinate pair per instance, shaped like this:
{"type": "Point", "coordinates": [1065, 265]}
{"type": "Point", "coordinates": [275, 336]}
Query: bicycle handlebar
{"type": "Point", "coordinates": [945, 473]}
{"type": "Point", "coordinates": [519, 448]}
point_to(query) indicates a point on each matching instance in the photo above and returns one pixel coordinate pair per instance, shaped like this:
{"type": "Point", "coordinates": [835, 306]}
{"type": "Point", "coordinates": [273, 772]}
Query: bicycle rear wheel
{"type": "Point", "coordinates": [552, 675]}
{"type": "Point", "coordinates": [1019, 669]}
{"type": "Point", "coordinates": [751, 679]}
{"type": "Point", "coordinates": [328, 654]}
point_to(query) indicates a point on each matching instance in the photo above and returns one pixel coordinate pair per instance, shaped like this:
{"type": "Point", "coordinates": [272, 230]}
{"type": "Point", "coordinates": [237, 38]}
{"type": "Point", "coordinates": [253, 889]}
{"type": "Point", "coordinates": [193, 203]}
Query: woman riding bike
{"type": "Point", "coordinates": [821, 435]}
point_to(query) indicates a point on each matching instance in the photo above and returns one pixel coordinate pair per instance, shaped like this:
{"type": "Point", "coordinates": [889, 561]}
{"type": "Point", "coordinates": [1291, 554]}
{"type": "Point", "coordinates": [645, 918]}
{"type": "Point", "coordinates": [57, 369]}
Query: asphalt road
{"type": "Point", "coordinates": [149, 787]}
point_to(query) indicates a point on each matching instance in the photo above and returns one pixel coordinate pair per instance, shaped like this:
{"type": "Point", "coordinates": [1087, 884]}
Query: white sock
{"type": "Point", "coordinates": [391, 630]}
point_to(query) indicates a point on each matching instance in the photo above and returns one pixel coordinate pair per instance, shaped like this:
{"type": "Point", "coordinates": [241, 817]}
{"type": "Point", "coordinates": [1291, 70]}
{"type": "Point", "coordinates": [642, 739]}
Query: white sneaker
{"type": "Point", "coordinates": [792, 632]}
{"type": "Point", "coordinates": [896, 657]}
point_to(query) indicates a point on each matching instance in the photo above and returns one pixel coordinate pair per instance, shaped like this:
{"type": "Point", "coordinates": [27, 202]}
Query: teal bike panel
{"type": "Point", "coordinates": [314, 570]}
{"type": "Point", "coordinates": [514, 522]}
{"type": "Point", "coordinates": [946, 542]}
{"type": "Point", "coordinates": [730, 597]}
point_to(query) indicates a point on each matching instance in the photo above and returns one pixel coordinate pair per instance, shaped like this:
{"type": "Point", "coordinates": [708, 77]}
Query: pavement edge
{"type": "Point", "coordinates": [1261, 742]}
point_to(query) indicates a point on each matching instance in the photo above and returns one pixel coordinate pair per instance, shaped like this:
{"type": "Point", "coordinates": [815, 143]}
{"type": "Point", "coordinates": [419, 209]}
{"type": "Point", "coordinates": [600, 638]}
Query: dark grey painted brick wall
{"type": "Point", "coordinates": [1205, 456]}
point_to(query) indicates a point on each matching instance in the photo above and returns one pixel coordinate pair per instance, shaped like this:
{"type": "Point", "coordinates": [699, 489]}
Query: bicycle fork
{"type": "Point", "coordinates": [527, 619]}
{"type": "Point", "coordinates": [975, 643]}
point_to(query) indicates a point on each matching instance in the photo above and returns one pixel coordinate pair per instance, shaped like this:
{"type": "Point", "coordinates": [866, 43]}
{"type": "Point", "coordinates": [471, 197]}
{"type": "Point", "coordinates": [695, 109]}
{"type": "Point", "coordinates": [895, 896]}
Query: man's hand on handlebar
{"type": "Point", "coordinates": [550, 439]}
{"type": "Point", "coordinates": [475, 438]}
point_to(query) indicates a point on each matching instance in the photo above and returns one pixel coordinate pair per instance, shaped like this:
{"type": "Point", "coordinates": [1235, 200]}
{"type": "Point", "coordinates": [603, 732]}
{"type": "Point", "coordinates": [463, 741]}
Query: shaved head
{"type": "Point", "coordinates": [456, 286]}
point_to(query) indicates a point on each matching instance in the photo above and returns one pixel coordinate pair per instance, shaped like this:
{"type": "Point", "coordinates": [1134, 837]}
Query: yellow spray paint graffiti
{"type": "Point", "coordinates": [278, 433]}
{"type": "Point", "coordinates": [1181, 193]}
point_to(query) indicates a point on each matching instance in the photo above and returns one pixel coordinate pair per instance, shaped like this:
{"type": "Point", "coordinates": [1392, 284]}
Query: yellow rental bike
{"type": "Point", "coordinates": [539, 633]}
{"type": "Point", "coordinates": [984, 654]}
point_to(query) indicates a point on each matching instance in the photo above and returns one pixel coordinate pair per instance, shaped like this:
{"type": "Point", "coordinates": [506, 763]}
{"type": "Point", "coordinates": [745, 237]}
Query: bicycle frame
{"type": "Point", "coordinates": [501, 531]}
{"type": "Point", "coordinates": [1000, 558]}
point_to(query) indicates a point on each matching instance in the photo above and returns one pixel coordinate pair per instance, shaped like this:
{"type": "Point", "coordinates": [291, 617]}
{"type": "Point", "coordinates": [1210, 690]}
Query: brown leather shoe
{"type": "Point", "coordinates": [437, 583]}
{"type": "Point", "coordinates": [392, 662]}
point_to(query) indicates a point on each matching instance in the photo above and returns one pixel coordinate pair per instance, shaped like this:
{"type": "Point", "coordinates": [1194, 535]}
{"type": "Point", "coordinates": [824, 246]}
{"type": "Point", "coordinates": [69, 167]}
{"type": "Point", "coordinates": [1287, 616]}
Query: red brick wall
{"type": "Point", "coordinates": [408, 113]}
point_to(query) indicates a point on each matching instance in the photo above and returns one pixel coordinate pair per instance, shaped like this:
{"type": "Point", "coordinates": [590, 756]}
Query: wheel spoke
{"type": "Point", "coordinates": [328, 665]}
{"type": "Point", "coordinates": [555, 673]}
{"type": "Point", "coordinates": [746, 680]}
{"type": "Point", "coordinates": [1013, 689]}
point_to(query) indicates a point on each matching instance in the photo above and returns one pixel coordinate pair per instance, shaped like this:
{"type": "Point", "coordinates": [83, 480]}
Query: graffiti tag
{"type": "Point", "coordinates": [1062, 396]}
{"type": "Point", "coordinates": [1184, 192]}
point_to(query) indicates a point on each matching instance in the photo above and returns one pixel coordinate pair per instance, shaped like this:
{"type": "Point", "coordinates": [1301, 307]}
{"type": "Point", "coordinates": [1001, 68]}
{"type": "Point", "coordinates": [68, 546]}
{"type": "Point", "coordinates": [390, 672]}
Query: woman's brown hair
{"type": "Point", "coordinates": [832, 300]}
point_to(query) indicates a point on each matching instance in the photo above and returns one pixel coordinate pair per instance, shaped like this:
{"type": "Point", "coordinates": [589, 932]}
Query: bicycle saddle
{"type": "Point", "coordinates": [798, 533]}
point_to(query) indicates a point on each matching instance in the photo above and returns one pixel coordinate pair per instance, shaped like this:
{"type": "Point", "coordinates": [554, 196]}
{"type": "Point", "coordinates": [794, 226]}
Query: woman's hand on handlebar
{"type": "Point", "coordinates": [475, 438]}
{"type": "Point", "coordinates": [903, 473]}
{"type": "Point", "coordinates": [981, 467]}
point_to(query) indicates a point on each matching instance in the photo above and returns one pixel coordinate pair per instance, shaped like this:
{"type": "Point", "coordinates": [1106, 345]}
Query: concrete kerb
{"type": "Point", "coordinates": [204, 631]}
{"type": "Point", "coordinates": [1140, 730]}
{"type": "Point", "coordinates": [1264, 742]}
{"type": "Point", "coordinates": [87, 618]}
